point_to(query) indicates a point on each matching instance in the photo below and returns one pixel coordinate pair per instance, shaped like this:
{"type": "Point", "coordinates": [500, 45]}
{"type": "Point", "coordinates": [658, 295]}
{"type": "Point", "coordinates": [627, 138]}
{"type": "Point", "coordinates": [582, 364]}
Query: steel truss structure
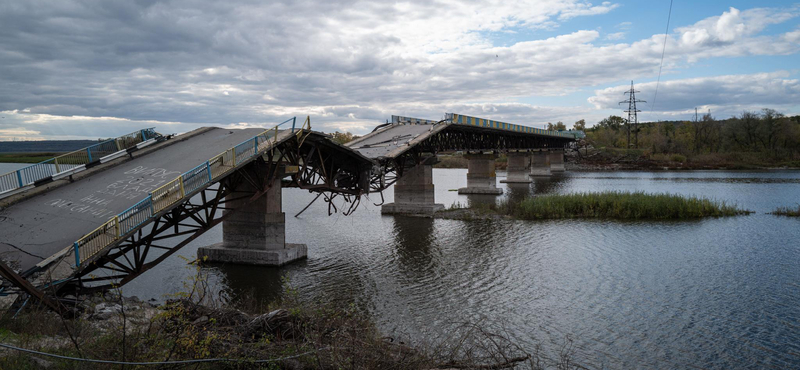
{"type": "Point", "coordinates": [311, 162]}
{"type": "Point", "coordinates": [455, 138]}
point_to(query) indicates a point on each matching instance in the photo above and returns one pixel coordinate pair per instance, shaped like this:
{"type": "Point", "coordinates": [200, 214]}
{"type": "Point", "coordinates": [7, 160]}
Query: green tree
{"type": "Point", "coordinates": [612, 122]}
{"type": "Point", "coordinates": [343, 137]}
{"type": "Point", "coordinates": [579, 125]}
{"type": "Point", "coordinates": [559, 126]}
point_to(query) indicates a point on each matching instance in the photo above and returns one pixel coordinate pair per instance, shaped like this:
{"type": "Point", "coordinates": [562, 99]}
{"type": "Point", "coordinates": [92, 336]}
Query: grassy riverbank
{"type": "Point", "coordinates": [641, 159]}
{"type": "Point", "coordinates": [606, 205]}
{"type": "Point", "coordinates": [248, 334]}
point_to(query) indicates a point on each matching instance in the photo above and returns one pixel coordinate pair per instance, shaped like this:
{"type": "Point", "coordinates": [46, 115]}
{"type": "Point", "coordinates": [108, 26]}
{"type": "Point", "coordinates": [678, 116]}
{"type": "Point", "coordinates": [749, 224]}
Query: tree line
{"type": "Point", "coordinates": [767, 132]}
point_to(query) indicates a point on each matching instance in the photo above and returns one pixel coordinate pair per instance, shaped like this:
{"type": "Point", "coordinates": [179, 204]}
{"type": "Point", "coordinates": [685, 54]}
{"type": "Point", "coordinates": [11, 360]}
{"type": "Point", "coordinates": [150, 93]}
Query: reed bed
{"type": "Point", "coordinates": [619, 205]}
{"type": "Point", "coordinates": [786, 211]}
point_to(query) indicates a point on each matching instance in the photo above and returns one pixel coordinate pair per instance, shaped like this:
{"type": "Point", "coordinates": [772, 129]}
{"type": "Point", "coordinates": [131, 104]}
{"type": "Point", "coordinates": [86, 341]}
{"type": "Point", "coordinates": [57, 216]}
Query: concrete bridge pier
{"type": "Point", "coordinates": [256, 233]}
{"type": "Point", "coordinates": [414, 193]}
{"type": "Point", "coordinates": [556, 160]}
{"type": "Point", "coordinates": [481, 178]}
{"type": "Point", "coordinates": [519, 168]}
{"type": "Point", "coordinates": [540, 163]}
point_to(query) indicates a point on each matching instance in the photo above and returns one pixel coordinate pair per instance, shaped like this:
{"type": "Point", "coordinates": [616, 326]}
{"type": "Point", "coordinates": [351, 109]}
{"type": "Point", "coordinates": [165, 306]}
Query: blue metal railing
{"type": "Point", "coordinates": [136, 215]}
{"type": "Point", "coordinates": [196, 177]}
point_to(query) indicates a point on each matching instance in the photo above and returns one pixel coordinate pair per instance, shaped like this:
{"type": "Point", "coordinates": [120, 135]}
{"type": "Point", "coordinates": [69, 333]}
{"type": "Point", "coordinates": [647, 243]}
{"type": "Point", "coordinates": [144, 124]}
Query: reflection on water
{"type": "Point", "coordinates": [540, 185]}
{"type": "Point", "coordinates": [517, 192]}
{"type": "Point", "coordinates": [413, 238]}
{"type": "Point", "coordinates": [548, 185]}
{"type": "Point", "coordinates": [712, 293]}
{"type": "Point", "coordinates": [244, 283]}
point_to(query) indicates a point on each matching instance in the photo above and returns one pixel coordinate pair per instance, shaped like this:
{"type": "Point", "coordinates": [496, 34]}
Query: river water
{"type": "Point", "coordinates": [713, 293]}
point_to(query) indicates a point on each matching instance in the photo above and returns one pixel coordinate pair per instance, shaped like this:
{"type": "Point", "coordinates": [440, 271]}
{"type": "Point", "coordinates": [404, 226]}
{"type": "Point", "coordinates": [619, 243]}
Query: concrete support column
{"type": "Point", "coordinates": [556, 160]}
{"type": "Point", "coordinates": [540, 164]}
{"type": "Point", "coordinates": [519, 168]}
{"type": "Point", "coordinates": [255, 233]}
{"type": "Point", "coordinates": [414, 193]}
{"type": "Point", "coordinates": [481, 178]}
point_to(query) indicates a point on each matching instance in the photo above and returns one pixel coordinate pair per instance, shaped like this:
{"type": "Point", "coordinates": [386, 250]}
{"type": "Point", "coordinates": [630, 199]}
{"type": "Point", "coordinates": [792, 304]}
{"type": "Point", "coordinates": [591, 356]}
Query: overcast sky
{"type": "Point", "coordinates": [89, 69]}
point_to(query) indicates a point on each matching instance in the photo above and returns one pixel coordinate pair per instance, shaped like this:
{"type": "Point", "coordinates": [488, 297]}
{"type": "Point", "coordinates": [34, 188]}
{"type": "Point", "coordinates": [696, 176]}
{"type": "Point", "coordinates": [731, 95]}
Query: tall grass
{"type": "Point", "coordinates": [786, 211]}
{"type": "Point", "coordinates": [619, 205]}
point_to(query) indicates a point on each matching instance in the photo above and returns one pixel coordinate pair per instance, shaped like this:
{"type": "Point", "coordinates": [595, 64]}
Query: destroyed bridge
{"type": "Point", "coordinates": [97, 218]}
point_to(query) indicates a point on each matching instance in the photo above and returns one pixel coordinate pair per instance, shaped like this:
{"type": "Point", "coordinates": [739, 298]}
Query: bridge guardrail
{"type": "Point", "coordinates": [461, 119]}
{"type": "Point", "coordinates": [177, 190]}
{"type": "Point", "coordinates": [65, 162]}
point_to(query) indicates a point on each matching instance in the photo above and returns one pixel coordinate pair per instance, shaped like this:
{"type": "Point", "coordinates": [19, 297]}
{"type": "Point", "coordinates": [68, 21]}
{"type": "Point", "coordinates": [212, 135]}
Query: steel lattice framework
{"type": "Point", "coordinates": [311, 162]}
{"type": "Point", "coordinates": [453, 138]}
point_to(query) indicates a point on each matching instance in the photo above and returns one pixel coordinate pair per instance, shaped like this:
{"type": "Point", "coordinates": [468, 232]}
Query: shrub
{"type": "Point", "coordinates": [678, 158]}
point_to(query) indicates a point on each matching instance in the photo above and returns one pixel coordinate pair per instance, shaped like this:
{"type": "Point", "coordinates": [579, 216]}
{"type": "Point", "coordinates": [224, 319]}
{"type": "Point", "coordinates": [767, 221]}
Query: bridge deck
{"type": "Point", "coordinates": [405, 133]}
{"type": "Point", "coordinates": [391, 141]}
{"type": "Point", "coordinates": [45, 224]}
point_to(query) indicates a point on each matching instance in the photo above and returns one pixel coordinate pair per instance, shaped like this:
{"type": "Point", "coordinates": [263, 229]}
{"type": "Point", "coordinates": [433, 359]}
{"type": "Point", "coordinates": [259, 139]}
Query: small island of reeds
{"type": "Point", "coordinates": [787, 211]}
{"type": "Point", "coordinates": [604, 205]}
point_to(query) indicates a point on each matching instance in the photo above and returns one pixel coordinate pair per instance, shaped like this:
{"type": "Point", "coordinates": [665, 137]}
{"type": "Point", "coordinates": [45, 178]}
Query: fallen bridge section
{"type": "Point", "coordinates": [36, 228]}
{"type": "Point", "coordinates": [409, 146]}
{"type": "Point", "coordinates": [113, 224]}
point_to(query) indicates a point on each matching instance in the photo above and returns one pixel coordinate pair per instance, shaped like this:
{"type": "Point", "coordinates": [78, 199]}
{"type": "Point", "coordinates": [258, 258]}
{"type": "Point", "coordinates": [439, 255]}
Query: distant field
{"type": "Point", "coordinates": [49, 146]}
{"type": "Point", "coordinates": [37, 151]}
{"type": "Point", "coordinates": [32, 157]}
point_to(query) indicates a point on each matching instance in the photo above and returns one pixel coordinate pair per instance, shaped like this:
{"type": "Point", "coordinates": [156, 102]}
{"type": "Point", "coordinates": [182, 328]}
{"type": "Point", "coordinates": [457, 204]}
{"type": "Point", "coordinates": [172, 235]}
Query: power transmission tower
{"type": "Point", "coordinates": [633, 117]}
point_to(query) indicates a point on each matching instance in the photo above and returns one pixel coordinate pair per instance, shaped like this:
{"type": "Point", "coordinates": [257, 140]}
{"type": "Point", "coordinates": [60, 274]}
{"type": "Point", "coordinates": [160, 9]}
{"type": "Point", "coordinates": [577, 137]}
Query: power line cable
{"type": "Point", "coordinates": [155, 362]}
{"type": "Point", "coordinates": [663, 50]}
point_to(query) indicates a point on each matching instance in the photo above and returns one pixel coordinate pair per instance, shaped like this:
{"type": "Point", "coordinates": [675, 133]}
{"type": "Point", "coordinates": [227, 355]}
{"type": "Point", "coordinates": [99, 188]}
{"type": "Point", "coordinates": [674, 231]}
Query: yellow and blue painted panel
{"type": "Point", "coordinates": [461, 119]}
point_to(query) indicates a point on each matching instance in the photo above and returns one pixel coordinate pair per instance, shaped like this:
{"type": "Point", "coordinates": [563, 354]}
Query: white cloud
{"type": "Point", "coordinates": [724, 95]}
{"type": "Point", "coordinates": [347, 63]}
{"type": "Point", "coordinates": [584, 9]}
{"type": "Point", "coordinates": [615, 36]}
{"type": "Point", "coordinates": [733, 25]}
{"type": "Point", "coordinates": [624, 25]}
{"type": "Point", "coordinates": [22, 125]}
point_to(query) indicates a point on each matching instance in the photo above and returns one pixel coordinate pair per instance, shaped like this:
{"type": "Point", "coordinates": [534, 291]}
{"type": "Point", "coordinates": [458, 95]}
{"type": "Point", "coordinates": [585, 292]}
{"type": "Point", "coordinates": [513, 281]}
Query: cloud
{"type": "Point", "coordinates": [24, 125]}
{"type": "Point", "coordinates": [615, 36]}
{"type": "Point", "coordinates": [349, 64]}
{"type": "Point", "coordinates": [724, 95]}
{"type": "Point", "coordinates": [733, 25]}
{"type": "Point", "coordinates": [624, 25]}
{"type": "Point", "coordinates": [584, 9]}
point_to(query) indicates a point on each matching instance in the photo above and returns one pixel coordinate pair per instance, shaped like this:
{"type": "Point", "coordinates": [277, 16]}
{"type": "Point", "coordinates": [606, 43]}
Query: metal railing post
{"type": "Point", "coordinates": [77, 254]}
{"type": "Point", "coordinates": [116, 227]}
{"type": "Point", "coordinates": [144, 136]}
{"type": "Point", "coordinates": [255, 145]}
{"type": "Point", "coordinates": [208, 169]}
{"type": "Point", "coordinates": [183, 193]}
{"type": "Point", "coordinates": [294, 120]}
{"type": "Point", "coordinates": [58, 170]}
{"type": "Point", "coordinates": [19, 178]}
{"type": "Point", "coordinates": [89, 153]}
